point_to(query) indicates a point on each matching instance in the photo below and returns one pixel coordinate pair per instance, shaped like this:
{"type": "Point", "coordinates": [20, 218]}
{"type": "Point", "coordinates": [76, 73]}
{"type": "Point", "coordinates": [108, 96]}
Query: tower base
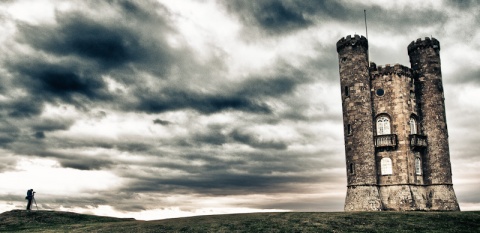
{"type": "Point", "coordinates": [363, 198]}
{"type": "Point", "coordinates": [401, 198]}
{"type": "Point", "coordinates": [442, 197]}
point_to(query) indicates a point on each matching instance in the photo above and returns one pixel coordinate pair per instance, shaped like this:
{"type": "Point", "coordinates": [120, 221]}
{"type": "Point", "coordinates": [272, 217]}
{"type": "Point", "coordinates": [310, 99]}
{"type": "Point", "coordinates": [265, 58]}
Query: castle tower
{"type": "Point", "coordinates": [362, 192]}
{"type": "Point", "coordinates": [396, 141]}
{"type": "Point", "coordinates": [425, 61]}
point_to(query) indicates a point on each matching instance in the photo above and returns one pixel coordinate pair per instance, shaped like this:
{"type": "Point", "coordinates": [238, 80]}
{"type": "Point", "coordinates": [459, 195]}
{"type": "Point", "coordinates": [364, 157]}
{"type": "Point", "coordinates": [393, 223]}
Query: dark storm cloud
{"type": "Point", "coordinates": [122, 47]}
{"type": "Point", "coordinates": [86, 163]}
{"type": "Point", "coordinates": [8, 132]}
{"type": "Point", "coordinates": [170, 100]}
{"type": "Point", "coordinates": [24, 107]}
{"type": "Point", "coordinates": [161, 122]}
{"type": "Point", "coordinates": [262, 86]}
{"type": "Point", "coordinates": [227, 173]}
{"type": "Point", "coordinates": [463, 4]}
{"type": "Point", "coordinates": [285, 16]}
{"type": "Point", "coordinates": [49, 124]}
{"type": "Point", "coordinates": [88, 49]}
{"type": "Point", "coordinates": [76, 160]}
{"type": "Point", "coordinates": [133, 146]}
{"type": "Point", "coordinates": [109, 44]}
{"type": "Point", "coordinates": [247, 96]}
{"type": "Point", "coordinates": [52, 82]}
{"type": "Point", "coordinates": [39, 135]}
{"type": "Point", "coordinates": [217, 184]}
{"type": "Point", "coordinates": [99, 45]}
{"type": "Point", "coordinates": [255, 141]}
{"type": "Point", "coordinates": [85, 38]}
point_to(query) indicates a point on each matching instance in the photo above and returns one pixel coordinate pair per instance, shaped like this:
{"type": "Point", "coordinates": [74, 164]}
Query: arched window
{"type": "Point", "coordinates": [386, 166]}
{"type": "Point", "coordinates": [413, 126]}
{"type": "Point", "coordinates": [383, 125]}
{"type": "Point", "coordinates": [418, 166]}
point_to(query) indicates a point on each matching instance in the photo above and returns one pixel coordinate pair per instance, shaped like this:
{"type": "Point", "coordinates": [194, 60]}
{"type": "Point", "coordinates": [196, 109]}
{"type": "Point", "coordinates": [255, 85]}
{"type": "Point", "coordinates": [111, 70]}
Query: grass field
{"type": "Point", "coordinates": [53, 221]}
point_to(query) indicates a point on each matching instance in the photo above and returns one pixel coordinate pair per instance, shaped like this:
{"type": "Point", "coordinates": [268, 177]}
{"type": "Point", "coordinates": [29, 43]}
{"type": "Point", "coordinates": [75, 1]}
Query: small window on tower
{"type": "Point", "coordinates": [383, 125]}
{"type": "Point", "coordinates": [349, 129]}
{"type": "Point", "coordinates": [380, 92]}
{"type": "Point", "coordinates": [351, 168]}
{"type": "Point", "coordinates": [418, 166]}
{"type": "Point", "coordinates": [347, 91]}
{"type": "Point", "coordinates": [413, 126]}
{"type": "Point", "coordinates": [386, 166]}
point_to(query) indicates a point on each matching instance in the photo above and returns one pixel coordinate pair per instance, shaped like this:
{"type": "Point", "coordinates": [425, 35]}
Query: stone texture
{"type": "Point", "coordinates": [398, 93]}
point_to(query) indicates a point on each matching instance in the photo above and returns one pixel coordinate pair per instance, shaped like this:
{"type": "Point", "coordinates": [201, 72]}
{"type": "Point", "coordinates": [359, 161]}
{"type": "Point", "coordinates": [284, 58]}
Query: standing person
{"type": "Point", "coordinates": [29, 197]}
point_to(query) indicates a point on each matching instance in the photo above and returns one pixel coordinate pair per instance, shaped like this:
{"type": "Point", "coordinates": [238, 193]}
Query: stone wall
{"type": "Point", "coordinates": [397, 102]}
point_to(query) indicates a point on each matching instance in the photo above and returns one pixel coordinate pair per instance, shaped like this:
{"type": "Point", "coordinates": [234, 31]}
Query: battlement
{"type": "Point", "coordinates": [419, 43]}
{"type": "Point", "coordinates": [387, 69]}
{"type": "Point", "coordinates": [356, 40]}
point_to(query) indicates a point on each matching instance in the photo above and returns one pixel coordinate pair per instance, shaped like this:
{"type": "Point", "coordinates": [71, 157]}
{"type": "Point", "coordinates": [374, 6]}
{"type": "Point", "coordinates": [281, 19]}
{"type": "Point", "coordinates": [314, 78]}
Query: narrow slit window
{"type": "Point", "coordinates": [347, 91]}
{"type": "Point", "coordinates": [352, 168]}
{"type": "Point", "coordinates": [349, 129]}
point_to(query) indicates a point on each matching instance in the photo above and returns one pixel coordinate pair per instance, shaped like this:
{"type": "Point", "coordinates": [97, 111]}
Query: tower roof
{"type": "Point", "coordinates": [419, 43]}
{"type": "Point", "coordinates": [352, 41]}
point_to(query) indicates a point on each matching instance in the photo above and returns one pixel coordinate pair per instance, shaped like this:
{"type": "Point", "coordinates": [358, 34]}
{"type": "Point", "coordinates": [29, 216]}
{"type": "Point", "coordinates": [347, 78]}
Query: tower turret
{"type": "Point", "coordinates": [425, 62]}
{"type": "Point", "coordinates": [362, 193]}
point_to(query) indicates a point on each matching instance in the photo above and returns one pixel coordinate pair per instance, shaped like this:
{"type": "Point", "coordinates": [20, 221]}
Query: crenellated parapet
{"type": "Point", "coordinates": [421, 44]}
{"type": "Point", "coordinates": [354, 41]}
{"type": "Point", "coordinates": [397, 69]}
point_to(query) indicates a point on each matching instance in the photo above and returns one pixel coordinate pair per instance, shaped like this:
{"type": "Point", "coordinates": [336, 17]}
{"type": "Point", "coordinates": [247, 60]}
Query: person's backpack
{"type": "Point", "coordinates": [29, 194]}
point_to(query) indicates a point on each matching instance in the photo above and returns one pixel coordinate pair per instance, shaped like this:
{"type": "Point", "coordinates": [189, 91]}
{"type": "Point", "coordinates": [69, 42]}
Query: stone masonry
{"type": "Point", "coordinates": [396, 139]}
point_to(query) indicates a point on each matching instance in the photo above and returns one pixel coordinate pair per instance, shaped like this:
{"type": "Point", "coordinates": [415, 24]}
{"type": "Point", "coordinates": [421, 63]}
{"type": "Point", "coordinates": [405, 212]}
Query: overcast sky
{"type": "Point", "coordinates": [161, 109]}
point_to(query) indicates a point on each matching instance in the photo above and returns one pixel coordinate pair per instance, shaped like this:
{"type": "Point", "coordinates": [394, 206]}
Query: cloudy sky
{"type": "Point", "coordinates": [160, 109]}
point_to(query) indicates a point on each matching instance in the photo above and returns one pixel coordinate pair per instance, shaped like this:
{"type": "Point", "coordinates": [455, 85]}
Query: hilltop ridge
{"type": "Point", "coordinates": [56, 221]}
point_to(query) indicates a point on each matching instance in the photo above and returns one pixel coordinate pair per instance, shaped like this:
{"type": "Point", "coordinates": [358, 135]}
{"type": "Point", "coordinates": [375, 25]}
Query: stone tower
{"type": "Point", "coordinates": [396, 139]}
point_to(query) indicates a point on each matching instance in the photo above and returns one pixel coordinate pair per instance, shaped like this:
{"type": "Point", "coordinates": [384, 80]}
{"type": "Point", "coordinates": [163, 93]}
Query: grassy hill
{"type": "Point", "coordinates": [54, 221]}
